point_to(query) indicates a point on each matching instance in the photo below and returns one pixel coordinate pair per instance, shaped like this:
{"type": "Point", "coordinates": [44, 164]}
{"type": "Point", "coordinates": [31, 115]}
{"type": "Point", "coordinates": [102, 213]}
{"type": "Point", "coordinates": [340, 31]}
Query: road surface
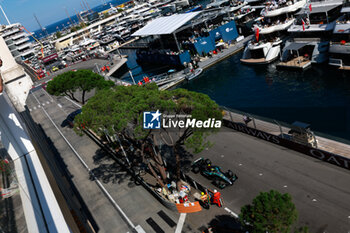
{"type": "Point", "coordinates": [320, 191]}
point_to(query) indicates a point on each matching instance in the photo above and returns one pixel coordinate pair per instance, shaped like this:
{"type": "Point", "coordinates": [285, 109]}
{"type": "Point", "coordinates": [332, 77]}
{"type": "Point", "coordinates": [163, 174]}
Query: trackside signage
{"type": "Point", "coordinates": [157, 120]}
{"type": "Point", "coordinates": [314, 152]}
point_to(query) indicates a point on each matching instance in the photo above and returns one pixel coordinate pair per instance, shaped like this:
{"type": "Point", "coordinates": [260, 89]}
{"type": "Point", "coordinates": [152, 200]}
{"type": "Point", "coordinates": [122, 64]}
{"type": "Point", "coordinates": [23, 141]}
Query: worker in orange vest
{"type": "Point", "coordinates": [216, 199]}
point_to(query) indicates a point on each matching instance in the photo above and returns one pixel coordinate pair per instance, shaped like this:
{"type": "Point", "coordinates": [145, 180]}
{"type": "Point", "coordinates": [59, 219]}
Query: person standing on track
{"type": "Point", "coordinates": [216, 199]}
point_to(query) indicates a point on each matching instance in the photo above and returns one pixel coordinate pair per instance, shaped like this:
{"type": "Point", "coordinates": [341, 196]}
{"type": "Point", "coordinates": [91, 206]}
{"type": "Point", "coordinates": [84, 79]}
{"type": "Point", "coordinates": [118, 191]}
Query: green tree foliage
{"type": "Point", "coordinates": [58, 34]}
{"type": "Point", "coordinates": [270, 212]}
{"type": "Point", "coordinates": [77, 27]}
{"type": "Point", "coordinates": [83, 80]}
{"type": "Point", "coordinates": [120, 111]}
{"type": "Point", "coordinates": [106, 15]}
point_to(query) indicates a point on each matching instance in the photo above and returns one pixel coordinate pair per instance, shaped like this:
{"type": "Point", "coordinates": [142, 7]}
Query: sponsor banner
{"type": "Point", "coordinates": [229, 31]}
{"type": "Point", "coordinates": [313, 152]}
{"type": "Point", "coordinates": [50, 57]}
{"type": "Point", "coordinates": [204, 44]}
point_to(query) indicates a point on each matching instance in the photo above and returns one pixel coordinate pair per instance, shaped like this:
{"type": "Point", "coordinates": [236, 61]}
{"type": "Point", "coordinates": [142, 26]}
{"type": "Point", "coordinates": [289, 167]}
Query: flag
{"type": "Point", "coordinates": [310, 7]}
{"type": "Point", "coordinates": [303, 23]}
{"type": "Point", "coordinates": [257, 34]}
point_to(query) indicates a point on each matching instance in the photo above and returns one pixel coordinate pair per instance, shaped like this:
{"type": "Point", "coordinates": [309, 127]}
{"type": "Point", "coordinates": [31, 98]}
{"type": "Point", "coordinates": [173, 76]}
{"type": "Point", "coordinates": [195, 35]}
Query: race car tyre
{"type": "Point", "coordinates": [196, 169]}
{"type": "Point", "coordinates": [222, 184]}
{"type": "Point", "coordinates": [204, 204]}
{"type": "Point", "coordinates": [229, 173]}
{"type": "Point", "coordinates": [207, 161]}
{"type": "Point", "coordinates": [216, 182]}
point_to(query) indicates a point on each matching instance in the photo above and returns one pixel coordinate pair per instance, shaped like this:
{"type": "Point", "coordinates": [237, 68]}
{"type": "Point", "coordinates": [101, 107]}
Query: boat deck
{"type": "Point", "coordinates": [298, 62]}
{"type": "Point", "coordinates": [252, 61]}
{"type": "Point", "coordinates": [325, 144]}
{"type": "Point", "coordinates": [344, 68]}
{"type": "Point", "coordinates": [205, 63]}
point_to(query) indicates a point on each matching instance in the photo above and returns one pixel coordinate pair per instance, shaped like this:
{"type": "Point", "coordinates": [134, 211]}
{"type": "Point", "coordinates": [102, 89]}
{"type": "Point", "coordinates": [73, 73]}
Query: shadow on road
{"type": "Point", "coordinates": [170, 158]}
{"type": "Point", "coordinates": [110, 171]}
{"type": "Point", "coordinates": [225, 224]}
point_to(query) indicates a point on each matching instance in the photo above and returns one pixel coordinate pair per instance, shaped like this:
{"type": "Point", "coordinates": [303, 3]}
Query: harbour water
{"type": "Point", "coordinates": [319, 95]}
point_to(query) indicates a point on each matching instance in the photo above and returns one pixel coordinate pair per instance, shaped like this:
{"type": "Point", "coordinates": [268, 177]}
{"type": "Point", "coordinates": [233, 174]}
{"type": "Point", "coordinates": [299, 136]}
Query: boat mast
{"type": "Point", "coordinates": [65, 8]}
{"type": "Point", "coordinates": [88, 6]}
{"type": "Point", "coordinates": [42, 29]}
{"type": "Point", "coordinates": [8, 21]}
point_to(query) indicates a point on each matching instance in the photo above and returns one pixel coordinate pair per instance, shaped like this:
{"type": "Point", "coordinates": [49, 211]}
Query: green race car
{"type": "Point", "coordinates": [220, 179]}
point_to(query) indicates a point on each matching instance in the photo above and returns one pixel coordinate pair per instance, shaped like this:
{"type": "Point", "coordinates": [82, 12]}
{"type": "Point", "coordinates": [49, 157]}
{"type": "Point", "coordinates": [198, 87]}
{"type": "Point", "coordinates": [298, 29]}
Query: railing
{"type": "Point", "coordinates": [335, 151]}
{"type": "Point", "coordinates": [335, 62]}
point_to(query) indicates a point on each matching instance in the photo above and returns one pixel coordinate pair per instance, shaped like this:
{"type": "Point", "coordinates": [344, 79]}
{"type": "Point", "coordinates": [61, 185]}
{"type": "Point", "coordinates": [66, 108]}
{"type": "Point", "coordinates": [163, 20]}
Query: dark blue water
{"type": "Point", "coordinates": [319, 96]}
{"type": "Point", "coordinates": [65, 23]}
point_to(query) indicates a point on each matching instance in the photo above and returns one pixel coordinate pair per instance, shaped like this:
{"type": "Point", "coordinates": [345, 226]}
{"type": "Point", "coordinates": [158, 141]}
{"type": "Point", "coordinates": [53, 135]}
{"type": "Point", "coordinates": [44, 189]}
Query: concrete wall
{"type": "Point", "coordinates": [16, 82]}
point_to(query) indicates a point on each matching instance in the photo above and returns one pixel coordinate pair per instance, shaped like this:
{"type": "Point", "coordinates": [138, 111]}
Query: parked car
{"type": "Point", "coordinates": [220, 179]}
{"type": "Point", "coordinates": [54, 68]}
{"type": "Point", "coordinates": [61, 66]}
{"type": "Point", "coordinates": [71, 116]}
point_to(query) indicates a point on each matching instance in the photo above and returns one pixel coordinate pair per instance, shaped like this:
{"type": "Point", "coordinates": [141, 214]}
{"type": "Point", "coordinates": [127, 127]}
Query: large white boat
{"type": "Point", "coordinates": [339, 49]}
{"type": "Point", "coordinates": [262, 52]}
{"type": "Point", "coordinates": [311, 35]}
{"type": "Point", "coordinates": [272, 10]}
{"type": "Point", "coordinates": [271, 31]}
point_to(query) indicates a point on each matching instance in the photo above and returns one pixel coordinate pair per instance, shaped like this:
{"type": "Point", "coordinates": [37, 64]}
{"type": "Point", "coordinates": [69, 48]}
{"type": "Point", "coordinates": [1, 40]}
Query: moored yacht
{"type": "Point", "coordinates": [310, 35]}
{"type": "Point", "coordinates": [339, 49]}
{"type": "Point", "coordinates": [270, 32]}
{"type": "Point", "coordinates": [282, 7]}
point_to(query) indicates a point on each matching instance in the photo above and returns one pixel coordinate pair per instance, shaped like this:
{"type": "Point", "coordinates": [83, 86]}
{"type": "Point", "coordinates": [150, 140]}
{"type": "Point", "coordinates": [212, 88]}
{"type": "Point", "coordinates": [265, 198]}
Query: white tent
{"type": "Point", "coordinates": [166, 25]}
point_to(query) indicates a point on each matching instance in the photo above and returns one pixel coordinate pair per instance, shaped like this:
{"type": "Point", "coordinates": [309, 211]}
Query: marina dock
{"type": "Point", "coordinates": [207, 62]}
{"type": "Point", "coordinates": [118, 64]}
{"type": "Point", "coordinates": [225, 53]}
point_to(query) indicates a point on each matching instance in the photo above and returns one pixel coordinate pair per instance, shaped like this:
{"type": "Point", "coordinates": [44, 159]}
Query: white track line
{"type": "Point", "coordinates": [73, 102]}
{"type": "Point", "coordinates": [180, 223]}
{"type": "Point", "coordinates": [231, 212]}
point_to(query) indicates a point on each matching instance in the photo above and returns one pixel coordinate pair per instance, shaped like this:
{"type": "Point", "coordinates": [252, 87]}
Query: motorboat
{"type": "Point", "coordinates": [271, 31]}
{"type": "Point", "coordinates": [194, 74]}
{"type": "Point", "coordinates": [339, 49]}
{"type": "Point", "coordinates": [311, 34]}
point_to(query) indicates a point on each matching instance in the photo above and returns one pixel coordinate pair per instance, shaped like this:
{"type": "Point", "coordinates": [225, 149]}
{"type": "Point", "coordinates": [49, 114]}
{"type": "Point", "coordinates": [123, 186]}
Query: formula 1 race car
{"type": "Point", "coordinates": [220, 179]}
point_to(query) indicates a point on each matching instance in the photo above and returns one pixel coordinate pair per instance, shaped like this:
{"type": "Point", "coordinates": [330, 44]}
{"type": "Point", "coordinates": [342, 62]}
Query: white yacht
{"type": "Point", "coordinates": [339, 49]}
{"type": "Point", "coordinates": [311, 35]}
{"type": "Point", "coordinates": [270, 32]}
{"type": "Point", "coordinates": [284, 7]}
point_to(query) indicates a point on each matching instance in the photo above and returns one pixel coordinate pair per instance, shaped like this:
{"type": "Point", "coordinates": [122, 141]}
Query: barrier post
{"type": "Point", "coordinates": [279, 127]}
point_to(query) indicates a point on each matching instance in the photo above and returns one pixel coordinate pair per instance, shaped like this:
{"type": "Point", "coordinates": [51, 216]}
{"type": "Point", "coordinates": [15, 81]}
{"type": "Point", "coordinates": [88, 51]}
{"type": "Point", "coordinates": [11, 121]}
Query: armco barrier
{"type": "Point", "coordinates": [313, 152]}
